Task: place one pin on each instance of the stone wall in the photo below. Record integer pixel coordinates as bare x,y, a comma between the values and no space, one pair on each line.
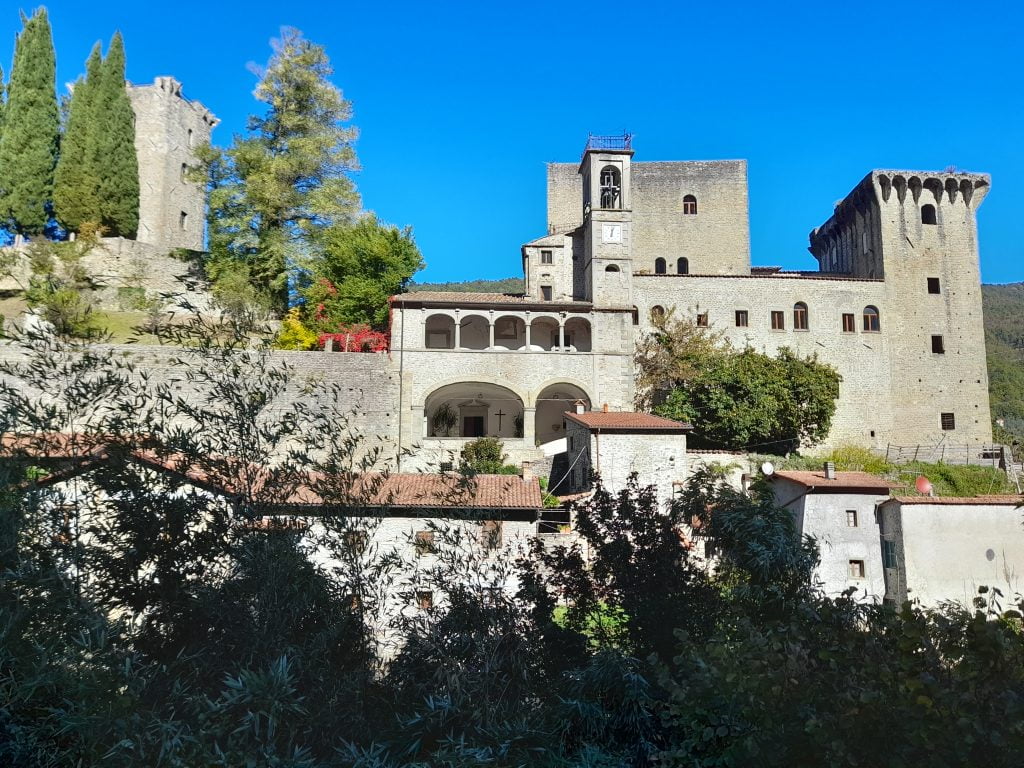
864,412
947,550
118,263
368,381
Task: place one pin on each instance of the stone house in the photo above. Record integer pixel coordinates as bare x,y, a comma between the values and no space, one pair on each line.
840,511
943,548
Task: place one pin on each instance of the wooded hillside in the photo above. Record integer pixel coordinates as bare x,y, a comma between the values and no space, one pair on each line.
1004,339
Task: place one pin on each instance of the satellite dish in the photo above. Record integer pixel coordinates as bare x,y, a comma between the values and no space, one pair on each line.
923,485
767,469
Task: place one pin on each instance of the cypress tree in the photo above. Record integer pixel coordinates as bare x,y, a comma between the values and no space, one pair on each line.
76,180
28,149
119,179
3,90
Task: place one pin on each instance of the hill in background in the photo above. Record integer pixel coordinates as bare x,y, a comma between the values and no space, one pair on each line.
1004,342
507,285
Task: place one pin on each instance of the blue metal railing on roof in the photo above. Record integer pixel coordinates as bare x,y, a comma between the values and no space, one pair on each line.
624,141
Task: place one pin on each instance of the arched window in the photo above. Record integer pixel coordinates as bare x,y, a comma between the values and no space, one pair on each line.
800,316
659,266
612,268
636,316
611,187
928,214
690,205
657,313
872,324
683,266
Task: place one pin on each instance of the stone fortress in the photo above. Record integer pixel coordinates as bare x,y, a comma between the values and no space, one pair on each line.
894,306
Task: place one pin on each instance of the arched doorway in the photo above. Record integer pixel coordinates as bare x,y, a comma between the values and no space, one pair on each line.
473,409
552,403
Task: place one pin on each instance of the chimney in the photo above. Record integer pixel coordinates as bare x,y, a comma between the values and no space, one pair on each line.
830,470
581,407
605,407
527,472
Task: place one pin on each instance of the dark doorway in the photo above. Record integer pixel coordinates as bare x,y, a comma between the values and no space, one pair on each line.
472,426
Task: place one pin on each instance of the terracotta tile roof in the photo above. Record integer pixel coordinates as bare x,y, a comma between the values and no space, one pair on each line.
1015,501
457,298
627,421
855,482
224,475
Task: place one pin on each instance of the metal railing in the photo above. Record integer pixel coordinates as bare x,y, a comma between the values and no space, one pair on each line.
625,141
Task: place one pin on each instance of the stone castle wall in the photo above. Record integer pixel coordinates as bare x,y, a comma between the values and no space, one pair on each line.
864,411
368,382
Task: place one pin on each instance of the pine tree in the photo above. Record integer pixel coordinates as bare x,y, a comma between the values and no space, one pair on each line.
76,180
28,149
278,189
119,180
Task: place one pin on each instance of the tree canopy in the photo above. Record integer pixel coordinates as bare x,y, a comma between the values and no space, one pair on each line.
282,185
77,178
736,399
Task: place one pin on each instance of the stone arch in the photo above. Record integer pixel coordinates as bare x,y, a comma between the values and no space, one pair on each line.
612,268
544,333
928,214
611,187
682,266
578,334
509,332
474,332
659,266
439,331
952,188
689,205
469,409
552,400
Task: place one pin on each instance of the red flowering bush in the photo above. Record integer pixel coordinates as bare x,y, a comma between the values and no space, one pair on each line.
355,338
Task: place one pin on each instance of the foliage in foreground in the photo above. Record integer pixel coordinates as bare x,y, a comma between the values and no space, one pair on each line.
177,633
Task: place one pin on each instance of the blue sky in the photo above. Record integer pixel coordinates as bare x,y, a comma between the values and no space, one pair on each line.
459,105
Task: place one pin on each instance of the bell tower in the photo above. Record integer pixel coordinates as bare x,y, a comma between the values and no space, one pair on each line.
607,262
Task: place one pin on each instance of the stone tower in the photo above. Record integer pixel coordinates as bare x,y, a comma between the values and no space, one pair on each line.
917,232
607,263
168,130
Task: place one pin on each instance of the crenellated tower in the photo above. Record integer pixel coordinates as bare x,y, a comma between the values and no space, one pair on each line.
917,232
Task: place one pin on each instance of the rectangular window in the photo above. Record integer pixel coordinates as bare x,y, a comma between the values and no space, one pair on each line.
851,518
933,285
947,421
490,534
702,320
424,543
742,319
778,321
546,257
424,599
849,323
937,346
889,554
856,569
545,292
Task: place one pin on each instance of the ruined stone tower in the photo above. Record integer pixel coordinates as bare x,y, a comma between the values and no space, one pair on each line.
168,130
